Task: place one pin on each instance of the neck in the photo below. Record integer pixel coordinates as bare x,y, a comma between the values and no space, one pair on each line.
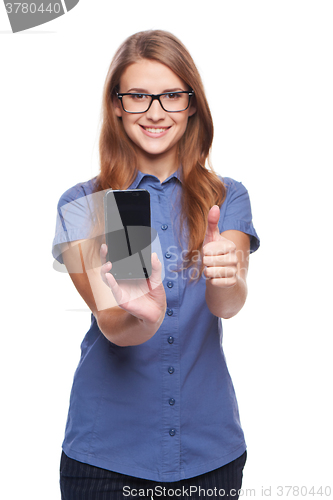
161,166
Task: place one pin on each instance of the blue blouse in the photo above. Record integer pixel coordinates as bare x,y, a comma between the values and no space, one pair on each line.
164,410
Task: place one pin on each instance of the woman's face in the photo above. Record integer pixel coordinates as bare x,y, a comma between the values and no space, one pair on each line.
155,132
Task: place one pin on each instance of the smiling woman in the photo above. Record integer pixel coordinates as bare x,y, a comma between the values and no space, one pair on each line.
202,188
152,400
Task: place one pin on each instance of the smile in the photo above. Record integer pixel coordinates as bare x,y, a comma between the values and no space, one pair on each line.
155,130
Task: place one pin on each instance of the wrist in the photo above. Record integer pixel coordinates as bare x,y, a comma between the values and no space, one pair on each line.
153,321
226,302
124,329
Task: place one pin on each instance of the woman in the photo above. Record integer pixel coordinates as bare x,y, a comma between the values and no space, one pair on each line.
153,409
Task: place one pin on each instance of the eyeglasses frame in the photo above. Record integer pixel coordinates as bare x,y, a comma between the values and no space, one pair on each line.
155,97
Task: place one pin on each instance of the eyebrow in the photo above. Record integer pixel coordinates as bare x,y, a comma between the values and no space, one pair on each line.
144,91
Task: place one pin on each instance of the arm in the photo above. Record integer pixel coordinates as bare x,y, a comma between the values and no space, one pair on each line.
128,316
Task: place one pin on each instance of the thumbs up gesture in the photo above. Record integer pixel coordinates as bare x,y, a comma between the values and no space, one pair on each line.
219,254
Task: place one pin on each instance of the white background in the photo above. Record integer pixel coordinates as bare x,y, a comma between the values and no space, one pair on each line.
267,70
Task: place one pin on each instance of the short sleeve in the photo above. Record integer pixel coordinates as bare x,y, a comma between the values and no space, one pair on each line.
236,212
75,217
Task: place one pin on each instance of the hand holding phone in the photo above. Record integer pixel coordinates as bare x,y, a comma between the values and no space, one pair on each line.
143,298
129,269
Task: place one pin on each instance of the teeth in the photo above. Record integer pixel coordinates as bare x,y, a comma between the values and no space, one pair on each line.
154,130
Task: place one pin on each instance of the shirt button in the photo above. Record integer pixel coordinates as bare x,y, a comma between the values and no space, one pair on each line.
171,401
171,370
169,312
172,432
164,226
168,255
169,284
170,340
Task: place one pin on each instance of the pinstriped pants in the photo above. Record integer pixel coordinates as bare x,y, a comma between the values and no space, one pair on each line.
79,481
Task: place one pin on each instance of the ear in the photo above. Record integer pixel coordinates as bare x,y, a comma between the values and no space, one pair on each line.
117,106
192,110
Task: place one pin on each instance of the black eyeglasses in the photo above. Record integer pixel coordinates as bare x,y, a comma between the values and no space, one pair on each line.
172,102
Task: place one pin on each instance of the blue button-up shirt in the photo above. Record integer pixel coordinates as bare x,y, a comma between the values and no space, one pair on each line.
164,410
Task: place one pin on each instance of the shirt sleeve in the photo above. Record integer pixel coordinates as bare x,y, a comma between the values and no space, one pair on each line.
236,212
75,217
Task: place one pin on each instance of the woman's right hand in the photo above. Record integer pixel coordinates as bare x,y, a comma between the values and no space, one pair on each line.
143,298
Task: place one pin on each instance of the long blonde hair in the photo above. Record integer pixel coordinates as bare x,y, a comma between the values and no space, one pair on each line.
202,188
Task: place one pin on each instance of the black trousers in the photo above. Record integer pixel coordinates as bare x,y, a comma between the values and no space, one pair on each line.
79,481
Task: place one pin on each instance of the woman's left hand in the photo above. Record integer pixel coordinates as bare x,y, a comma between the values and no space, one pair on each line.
219,254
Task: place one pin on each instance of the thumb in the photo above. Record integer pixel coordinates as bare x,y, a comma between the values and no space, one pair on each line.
156,274
212,232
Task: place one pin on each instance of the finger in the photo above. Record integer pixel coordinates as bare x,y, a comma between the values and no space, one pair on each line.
224,282
220,272
105,270
220,259
115,288
221,246
103,252
212,231
215,261
215,248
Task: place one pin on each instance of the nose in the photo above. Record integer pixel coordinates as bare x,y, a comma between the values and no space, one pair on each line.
155,112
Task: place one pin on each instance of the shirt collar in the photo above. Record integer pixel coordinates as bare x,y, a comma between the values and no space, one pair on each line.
140,175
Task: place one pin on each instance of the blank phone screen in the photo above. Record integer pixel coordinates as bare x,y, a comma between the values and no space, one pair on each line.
128,233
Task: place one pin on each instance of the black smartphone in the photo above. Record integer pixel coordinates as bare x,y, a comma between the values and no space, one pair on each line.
128,233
